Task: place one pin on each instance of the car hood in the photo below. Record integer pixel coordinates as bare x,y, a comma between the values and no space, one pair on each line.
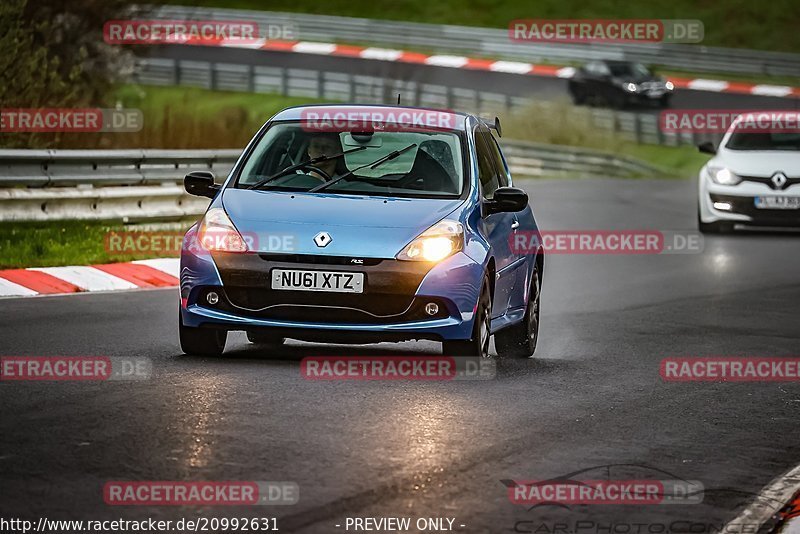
359,226
760,162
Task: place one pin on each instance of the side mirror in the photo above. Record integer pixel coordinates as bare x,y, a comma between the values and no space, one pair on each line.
507,200
201,184
707,148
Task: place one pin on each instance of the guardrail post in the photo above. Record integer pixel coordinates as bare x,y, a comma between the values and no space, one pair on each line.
251,78
320,85
637,128
351,82
284,82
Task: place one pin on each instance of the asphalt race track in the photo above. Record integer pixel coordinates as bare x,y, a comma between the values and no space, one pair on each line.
494,82
592,397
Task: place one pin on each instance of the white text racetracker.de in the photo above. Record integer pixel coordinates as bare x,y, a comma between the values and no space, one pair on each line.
400,524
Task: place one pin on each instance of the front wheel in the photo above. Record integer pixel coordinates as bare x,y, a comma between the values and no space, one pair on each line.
478,345
519,340
201,341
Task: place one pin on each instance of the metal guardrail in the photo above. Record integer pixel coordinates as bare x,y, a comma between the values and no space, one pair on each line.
127,185
44,168
491,42
363,89
138,185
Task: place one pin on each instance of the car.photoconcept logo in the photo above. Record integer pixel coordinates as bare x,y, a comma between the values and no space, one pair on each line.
322,239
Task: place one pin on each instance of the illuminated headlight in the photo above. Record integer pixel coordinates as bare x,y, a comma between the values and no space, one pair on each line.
441,240
722,176
631,87
217,233
669,85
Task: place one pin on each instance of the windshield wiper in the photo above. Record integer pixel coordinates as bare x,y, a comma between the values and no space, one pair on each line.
311,161
380,161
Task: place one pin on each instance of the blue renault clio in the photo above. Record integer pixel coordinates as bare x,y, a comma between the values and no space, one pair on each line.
364,224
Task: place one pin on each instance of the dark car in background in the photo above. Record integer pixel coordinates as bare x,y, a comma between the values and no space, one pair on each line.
618,84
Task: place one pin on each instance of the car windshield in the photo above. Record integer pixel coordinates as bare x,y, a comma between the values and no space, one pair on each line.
764,141
410,163
633,70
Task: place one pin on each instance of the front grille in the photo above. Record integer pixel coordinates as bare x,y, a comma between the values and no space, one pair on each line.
231,300
389,288
310,259
768,181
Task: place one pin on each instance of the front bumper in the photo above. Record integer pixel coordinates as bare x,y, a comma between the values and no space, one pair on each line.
741,198
391,307
648,97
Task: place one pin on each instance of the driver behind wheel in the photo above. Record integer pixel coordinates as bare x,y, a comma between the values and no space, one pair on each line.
325,144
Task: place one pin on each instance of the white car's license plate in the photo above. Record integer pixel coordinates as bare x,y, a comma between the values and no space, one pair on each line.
777,203
336,281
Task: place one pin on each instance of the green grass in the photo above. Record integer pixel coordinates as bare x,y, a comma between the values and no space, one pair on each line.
187,117
677,162
560,123
52,244
732,23
174,117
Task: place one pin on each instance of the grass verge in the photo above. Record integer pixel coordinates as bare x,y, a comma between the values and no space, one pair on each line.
57,243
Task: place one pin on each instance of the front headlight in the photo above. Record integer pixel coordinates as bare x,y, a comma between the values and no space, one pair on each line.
217,233
669,85
723,176
441,240
631,87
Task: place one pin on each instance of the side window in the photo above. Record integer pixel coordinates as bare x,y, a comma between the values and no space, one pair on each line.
497,158
486,172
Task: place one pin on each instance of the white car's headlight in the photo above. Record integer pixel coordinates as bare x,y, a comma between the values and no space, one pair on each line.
669,85
723,175
441,240
217,233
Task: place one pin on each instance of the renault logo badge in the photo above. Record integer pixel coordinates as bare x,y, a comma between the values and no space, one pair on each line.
322,239
779,180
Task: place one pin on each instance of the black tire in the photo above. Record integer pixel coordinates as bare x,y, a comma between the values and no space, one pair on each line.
577,97
201,341
716,227
264,338
478,345
519,340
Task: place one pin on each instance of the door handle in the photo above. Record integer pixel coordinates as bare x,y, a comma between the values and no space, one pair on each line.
515,225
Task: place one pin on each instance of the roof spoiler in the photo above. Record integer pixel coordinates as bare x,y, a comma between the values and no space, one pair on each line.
494,126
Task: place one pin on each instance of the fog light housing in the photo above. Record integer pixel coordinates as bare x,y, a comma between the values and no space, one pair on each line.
431,308
212,298
722,206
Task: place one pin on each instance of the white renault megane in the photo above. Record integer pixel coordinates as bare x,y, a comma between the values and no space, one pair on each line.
753,178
